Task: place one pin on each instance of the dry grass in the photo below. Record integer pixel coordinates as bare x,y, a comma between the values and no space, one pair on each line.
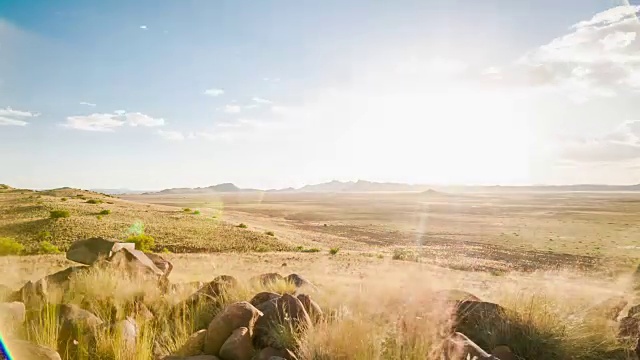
375,308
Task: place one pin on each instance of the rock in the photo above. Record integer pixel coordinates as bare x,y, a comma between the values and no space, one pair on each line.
127,331
268,279
217,286
460,347
475,317
32,294
13,313
161,263
634,310
194,344
259,298
240,314
269,353
300,282
88,251
609,309
638,348
238,346
63,277
503,352
75,325
286,310
629,326
453,295
312,308
135,263
21,349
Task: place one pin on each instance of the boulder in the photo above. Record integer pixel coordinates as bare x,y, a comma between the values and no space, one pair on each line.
269,353
460,347
312,308
286,310
300,282
213,289
238,346
240,314
629,326
63,277
634,310
609,309
259,298
32,294
481,320
161,263
88,251
454,295
21,349
12,313
135,263
503,352
194,344
267,279
75,325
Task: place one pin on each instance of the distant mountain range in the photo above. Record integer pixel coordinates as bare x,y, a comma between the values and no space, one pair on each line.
370,186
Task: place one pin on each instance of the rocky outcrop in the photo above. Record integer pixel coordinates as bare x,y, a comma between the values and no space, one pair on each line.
234,316
89,251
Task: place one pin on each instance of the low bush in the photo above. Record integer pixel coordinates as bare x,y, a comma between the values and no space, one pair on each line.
270,233
58,214
9,246
334,250
186,210
196,212
63,199
405,255
94,201
242,226
105,212
143,242
45,247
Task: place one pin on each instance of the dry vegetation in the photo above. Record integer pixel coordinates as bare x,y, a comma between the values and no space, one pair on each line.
26,215
548,258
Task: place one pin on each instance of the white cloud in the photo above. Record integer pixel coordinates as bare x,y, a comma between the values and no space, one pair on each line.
274,80
600,57
139,119
11,122
95,122
87,103
171,135
623,143
11,117
143,27
260,100
108,122
214,92
232,109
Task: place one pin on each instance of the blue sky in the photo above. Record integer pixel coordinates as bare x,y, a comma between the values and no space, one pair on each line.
168,93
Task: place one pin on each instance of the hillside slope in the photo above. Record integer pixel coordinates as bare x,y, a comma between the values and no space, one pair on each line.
24,216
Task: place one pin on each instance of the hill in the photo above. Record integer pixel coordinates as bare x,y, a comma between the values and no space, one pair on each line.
24,216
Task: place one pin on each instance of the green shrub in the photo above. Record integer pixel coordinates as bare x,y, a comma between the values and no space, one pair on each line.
105,212
143,242
45,247
57,214
186,210
43,235
99,217
242,226
270,233
9,246
334,250
63,199
196,212
94,201
311,250
166,251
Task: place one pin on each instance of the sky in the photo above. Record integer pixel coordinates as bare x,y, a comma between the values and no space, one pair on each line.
154,94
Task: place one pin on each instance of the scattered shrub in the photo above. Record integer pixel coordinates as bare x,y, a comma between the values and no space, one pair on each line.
105,212
405,255
334,250
63,199
57,214
143,242
270,233
94,201
43,235
186,210
99,217
166,251
196,212
311,250
45,247
242,226
9,246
